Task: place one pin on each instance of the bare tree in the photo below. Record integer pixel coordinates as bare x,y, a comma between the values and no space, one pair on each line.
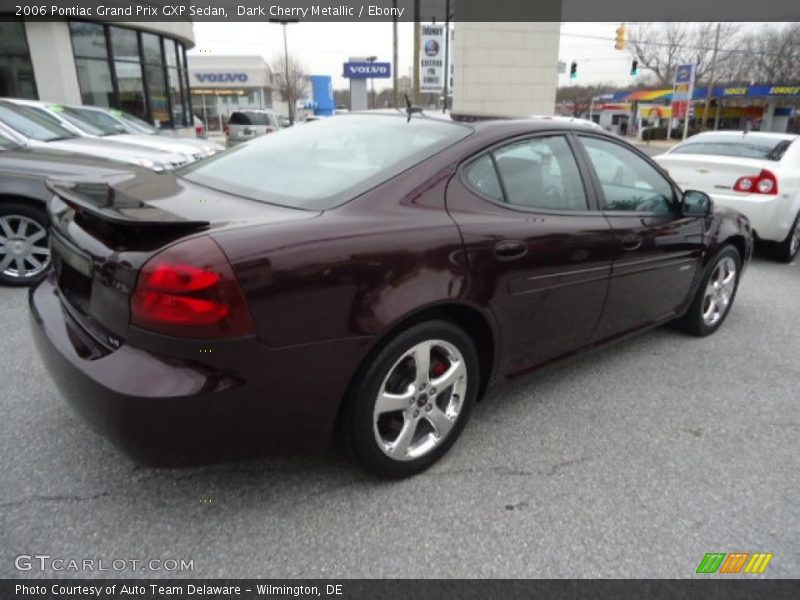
291,83
660,47
578,98
770,55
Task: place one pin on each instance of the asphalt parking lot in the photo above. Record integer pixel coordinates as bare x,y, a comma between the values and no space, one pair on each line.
633,462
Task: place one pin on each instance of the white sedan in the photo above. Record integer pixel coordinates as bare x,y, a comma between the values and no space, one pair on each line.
756,173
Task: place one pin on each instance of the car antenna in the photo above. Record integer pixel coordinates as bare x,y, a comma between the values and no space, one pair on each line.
410,109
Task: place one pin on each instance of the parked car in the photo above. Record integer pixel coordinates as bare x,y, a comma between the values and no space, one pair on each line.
241,303
756,173
127,126
244,125
575,120
24,249
199,127
37,129
91,125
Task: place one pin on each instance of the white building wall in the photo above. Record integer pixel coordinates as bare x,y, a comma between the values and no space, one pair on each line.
53,61
505,69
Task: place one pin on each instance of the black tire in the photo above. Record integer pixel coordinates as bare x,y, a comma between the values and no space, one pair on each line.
787,250
13,211
693,321
359,424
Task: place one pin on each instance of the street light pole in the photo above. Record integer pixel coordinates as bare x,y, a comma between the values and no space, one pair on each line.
289,99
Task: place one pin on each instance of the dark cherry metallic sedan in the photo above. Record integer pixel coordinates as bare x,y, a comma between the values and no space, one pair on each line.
370,275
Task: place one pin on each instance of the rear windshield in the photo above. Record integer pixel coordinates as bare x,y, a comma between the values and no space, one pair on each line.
746,146
250,118
32,123
86,122
322,165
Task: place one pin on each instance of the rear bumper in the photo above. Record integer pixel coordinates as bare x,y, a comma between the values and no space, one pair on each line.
175,411
771,217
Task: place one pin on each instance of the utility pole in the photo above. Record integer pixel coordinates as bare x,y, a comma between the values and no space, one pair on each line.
712,77
416,51
446,55
394,54
289,83
372,59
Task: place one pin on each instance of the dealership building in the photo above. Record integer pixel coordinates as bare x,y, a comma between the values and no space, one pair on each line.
222,84
136,67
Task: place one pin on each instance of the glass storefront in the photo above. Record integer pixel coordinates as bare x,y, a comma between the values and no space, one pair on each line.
16,71
136,71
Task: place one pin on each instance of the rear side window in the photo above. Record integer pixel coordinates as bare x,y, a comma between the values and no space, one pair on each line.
482,177
250,118
538,173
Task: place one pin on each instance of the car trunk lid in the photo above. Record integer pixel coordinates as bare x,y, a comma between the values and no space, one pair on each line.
104,230
708,173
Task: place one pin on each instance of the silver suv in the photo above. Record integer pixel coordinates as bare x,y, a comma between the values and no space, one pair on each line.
244,125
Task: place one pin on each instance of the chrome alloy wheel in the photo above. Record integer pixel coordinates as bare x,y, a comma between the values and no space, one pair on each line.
24,252
420,400
719,291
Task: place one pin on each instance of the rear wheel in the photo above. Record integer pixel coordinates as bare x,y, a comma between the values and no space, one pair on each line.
788,248
413,400
715,295
24,252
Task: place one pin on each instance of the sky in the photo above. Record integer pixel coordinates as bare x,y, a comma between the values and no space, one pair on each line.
323,47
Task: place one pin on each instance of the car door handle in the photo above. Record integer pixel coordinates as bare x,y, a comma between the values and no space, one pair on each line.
510,249
631,242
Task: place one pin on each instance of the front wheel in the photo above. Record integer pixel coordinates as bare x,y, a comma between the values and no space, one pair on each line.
715,295
788,248
413,400
24,252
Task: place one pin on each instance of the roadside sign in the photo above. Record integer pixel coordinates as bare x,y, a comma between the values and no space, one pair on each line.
367,70
431,59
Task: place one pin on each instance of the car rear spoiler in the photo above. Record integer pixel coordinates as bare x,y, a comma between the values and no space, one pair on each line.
102,201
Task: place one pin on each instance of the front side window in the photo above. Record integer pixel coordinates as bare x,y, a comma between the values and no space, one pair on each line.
541,173
629,182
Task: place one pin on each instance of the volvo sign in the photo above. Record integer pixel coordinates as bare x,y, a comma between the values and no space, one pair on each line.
221,77
367,70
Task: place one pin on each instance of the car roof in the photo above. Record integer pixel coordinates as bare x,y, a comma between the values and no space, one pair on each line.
744,134
481,123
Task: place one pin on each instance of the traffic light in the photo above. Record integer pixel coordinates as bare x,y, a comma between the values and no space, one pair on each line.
573,70
620,41
634,68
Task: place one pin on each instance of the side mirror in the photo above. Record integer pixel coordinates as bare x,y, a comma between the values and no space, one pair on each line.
696,204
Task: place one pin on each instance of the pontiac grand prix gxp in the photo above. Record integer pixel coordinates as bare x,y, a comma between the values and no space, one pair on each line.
368,276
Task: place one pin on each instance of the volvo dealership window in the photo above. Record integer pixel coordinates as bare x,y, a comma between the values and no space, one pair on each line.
16,71
139,72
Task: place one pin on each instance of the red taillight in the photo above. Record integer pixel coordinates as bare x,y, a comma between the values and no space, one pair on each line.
764,183
190,290
225,128
200,131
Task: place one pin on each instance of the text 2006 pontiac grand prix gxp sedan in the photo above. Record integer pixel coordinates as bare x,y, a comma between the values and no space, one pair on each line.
367,275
